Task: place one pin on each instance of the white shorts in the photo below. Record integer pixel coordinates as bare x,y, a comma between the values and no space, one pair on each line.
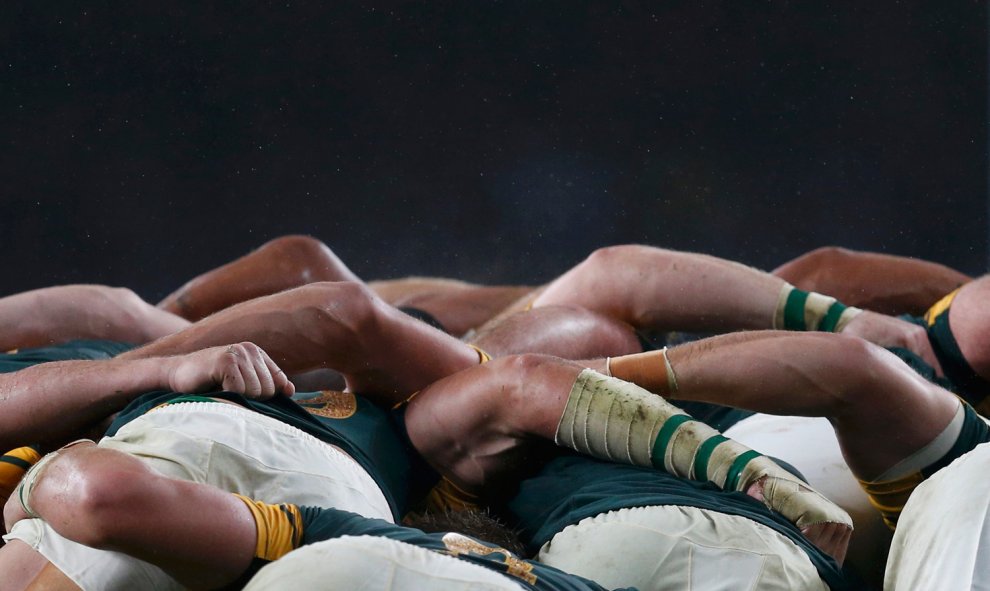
227,446
809,444
942,540
673,548
375,564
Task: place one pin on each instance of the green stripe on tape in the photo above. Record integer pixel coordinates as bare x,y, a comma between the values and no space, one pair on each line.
664,436
794,310
832,317
704,454
736,469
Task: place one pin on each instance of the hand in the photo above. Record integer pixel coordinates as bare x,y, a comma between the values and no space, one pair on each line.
243,368
888,331
830,529
830,538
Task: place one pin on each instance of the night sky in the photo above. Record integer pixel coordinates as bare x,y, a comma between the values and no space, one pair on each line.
489,141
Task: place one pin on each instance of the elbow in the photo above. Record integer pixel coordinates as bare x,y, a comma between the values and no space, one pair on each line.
344,307
862,376
308,258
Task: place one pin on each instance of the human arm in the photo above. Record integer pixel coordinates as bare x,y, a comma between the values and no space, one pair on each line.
662,289
277,265
482,427
51,315
337,325
659,289
53,402
458,306
883,283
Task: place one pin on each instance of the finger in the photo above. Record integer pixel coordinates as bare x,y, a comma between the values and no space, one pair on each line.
281,382
286,387
830,538
252,382
837,542
266,383
240,354
233,381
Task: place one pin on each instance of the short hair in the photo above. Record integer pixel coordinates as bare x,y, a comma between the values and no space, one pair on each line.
475,523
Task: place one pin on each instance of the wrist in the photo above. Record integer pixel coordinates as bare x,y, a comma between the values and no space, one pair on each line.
165,370
802,310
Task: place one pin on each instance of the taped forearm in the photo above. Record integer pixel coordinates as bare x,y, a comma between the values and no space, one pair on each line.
610,419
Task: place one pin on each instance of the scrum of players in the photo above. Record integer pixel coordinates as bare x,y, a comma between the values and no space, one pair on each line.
650,419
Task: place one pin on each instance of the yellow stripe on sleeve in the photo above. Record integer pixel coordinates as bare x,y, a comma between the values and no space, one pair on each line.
940,306
279,528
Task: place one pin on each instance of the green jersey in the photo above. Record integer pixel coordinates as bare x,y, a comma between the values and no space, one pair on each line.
571,488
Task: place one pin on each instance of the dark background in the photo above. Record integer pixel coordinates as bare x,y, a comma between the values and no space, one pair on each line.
491,141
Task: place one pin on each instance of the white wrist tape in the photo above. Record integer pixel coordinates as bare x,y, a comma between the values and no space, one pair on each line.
801,310
610,419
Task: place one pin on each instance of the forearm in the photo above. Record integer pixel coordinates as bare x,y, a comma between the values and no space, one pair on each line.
55,401
663,289
341,326
58,314
879,282
283,263
297,328
874,401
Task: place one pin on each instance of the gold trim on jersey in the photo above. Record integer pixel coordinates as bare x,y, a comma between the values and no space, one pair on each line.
889,497
940,306
483,357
